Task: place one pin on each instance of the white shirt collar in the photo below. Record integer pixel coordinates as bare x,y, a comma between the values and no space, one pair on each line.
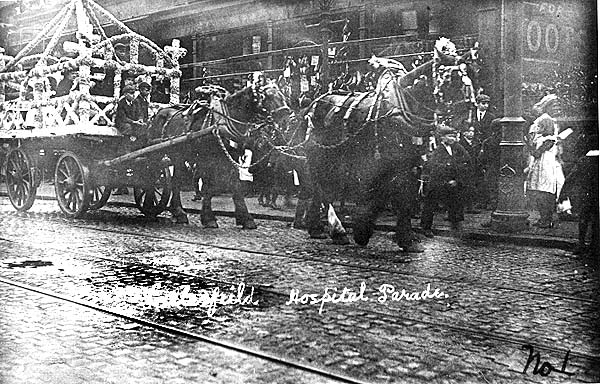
448,148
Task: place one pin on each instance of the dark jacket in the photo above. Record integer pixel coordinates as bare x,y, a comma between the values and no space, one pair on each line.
143,106
127,113
490,134
443,168
474,151
483,128
582,183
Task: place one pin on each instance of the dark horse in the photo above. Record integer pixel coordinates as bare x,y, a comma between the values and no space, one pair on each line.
372,143
226,124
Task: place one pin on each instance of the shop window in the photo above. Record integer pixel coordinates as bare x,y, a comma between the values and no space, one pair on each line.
409,21
434,23
252,44
256,44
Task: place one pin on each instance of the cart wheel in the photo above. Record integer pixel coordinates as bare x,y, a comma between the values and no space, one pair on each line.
71,183
100,195
152,201
20,179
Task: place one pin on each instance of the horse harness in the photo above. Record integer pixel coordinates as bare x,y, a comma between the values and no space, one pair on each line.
373,117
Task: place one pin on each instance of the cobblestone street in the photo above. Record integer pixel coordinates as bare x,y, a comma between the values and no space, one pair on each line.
117,298
299,192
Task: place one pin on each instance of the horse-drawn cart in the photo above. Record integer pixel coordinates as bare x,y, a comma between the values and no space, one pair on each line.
75,164
71,140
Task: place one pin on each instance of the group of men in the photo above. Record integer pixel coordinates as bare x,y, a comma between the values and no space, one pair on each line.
463,172
131,116
132,113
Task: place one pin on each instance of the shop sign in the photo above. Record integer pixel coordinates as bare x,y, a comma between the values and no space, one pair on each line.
553,31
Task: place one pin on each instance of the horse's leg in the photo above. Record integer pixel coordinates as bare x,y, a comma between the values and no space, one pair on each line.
207,216
315,227
304,192
300,214
364,223
176,208
242,216
273,190
372,204
405,236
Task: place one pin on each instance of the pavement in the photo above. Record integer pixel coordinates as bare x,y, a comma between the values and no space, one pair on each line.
562,235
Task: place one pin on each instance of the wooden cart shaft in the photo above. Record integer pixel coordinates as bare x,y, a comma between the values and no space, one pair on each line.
156,147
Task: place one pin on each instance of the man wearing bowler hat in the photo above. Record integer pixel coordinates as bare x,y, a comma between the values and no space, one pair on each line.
446,166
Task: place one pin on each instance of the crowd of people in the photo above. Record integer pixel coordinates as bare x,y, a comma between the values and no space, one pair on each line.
463,169
463,172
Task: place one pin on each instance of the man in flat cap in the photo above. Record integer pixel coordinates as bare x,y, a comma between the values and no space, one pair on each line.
489,134
143,99
128,117
129,122
446,167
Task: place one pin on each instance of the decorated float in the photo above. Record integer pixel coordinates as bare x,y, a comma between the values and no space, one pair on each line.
64,131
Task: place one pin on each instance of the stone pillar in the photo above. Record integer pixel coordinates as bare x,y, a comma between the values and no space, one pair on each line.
511,215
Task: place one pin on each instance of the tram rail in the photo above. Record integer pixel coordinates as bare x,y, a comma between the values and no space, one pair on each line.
187,334
473,331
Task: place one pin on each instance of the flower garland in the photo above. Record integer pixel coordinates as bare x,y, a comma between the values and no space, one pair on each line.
126,29
84,62
33,43
134,50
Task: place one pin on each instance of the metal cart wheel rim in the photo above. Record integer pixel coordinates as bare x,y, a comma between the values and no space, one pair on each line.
20,179
100,196
71,183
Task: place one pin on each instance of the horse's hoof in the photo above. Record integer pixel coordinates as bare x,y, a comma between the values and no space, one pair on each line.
181,220
413,247
210,224
249,225
362,235
340,240
318,235
299,225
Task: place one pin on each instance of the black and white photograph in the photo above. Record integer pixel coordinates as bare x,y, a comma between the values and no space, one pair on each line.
300,192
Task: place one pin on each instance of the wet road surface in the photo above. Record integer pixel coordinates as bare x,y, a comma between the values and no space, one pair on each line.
491,300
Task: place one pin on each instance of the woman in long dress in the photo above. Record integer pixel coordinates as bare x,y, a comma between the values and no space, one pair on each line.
545,176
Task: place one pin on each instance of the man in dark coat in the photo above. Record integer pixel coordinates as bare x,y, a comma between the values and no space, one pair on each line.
128,118
475,188
489,134
129,122
446,166
143,100
584,179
